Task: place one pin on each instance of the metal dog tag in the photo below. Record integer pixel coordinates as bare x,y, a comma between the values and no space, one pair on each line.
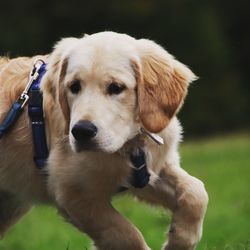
156,138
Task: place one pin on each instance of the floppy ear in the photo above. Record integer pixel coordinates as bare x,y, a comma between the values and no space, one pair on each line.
162,85
56,71
61,95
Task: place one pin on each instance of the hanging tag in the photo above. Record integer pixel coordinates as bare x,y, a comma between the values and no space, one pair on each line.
156,138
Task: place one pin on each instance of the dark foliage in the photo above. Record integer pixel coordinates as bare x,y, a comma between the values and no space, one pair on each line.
211,36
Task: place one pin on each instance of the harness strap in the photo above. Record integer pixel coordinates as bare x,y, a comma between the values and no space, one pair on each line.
141,175
36,115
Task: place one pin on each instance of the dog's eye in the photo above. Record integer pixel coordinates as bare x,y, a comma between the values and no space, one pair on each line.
75,87
115,88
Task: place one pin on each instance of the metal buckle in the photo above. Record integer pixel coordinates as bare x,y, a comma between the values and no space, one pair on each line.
23,99
32,77
138,168
156,138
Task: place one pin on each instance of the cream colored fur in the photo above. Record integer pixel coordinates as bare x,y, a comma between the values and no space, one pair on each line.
81,184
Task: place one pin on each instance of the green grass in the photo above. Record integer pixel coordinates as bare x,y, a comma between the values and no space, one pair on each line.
223,164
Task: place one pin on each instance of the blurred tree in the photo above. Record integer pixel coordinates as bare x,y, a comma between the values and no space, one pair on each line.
210,36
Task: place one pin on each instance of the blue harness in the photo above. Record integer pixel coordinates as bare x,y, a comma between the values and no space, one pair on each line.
36,115
34,97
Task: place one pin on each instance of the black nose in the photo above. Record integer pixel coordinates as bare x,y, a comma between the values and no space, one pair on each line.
84,131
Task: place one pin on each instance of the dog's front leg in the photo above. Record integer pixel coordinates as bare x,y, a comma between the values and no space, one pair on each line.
96,217
186,197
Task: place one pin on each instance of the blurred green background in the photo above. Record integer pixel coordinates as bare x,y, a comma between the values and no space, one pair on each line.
213,38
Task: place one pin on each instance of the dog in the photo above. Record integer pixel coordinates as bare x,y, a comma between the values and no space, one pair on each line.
99,92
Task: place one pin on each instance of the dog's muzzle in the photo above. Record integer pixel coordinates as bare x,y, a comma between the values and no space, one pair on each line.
84,132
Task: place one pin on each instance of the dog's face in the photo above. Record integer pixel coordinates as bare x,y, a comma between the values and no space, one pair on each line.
100,88
109,85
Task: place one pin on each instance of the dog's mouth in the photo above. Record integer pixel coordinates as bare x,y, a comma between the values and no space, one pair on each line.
106,146
86,146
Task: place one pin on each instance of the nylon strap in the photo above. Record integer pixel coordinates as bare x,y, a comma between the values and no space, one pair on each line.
141,176
36,115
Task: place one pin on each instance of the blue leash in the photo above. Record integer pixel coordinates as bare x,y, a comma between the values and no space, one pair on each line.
34,96
17,107
11,117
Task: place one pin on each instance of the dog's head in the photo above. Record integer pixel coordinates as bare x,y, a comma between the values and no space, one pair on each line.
109,85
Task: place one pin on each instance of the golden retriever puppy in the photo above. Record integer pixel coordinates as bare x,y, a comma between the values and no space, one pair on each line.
99,91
